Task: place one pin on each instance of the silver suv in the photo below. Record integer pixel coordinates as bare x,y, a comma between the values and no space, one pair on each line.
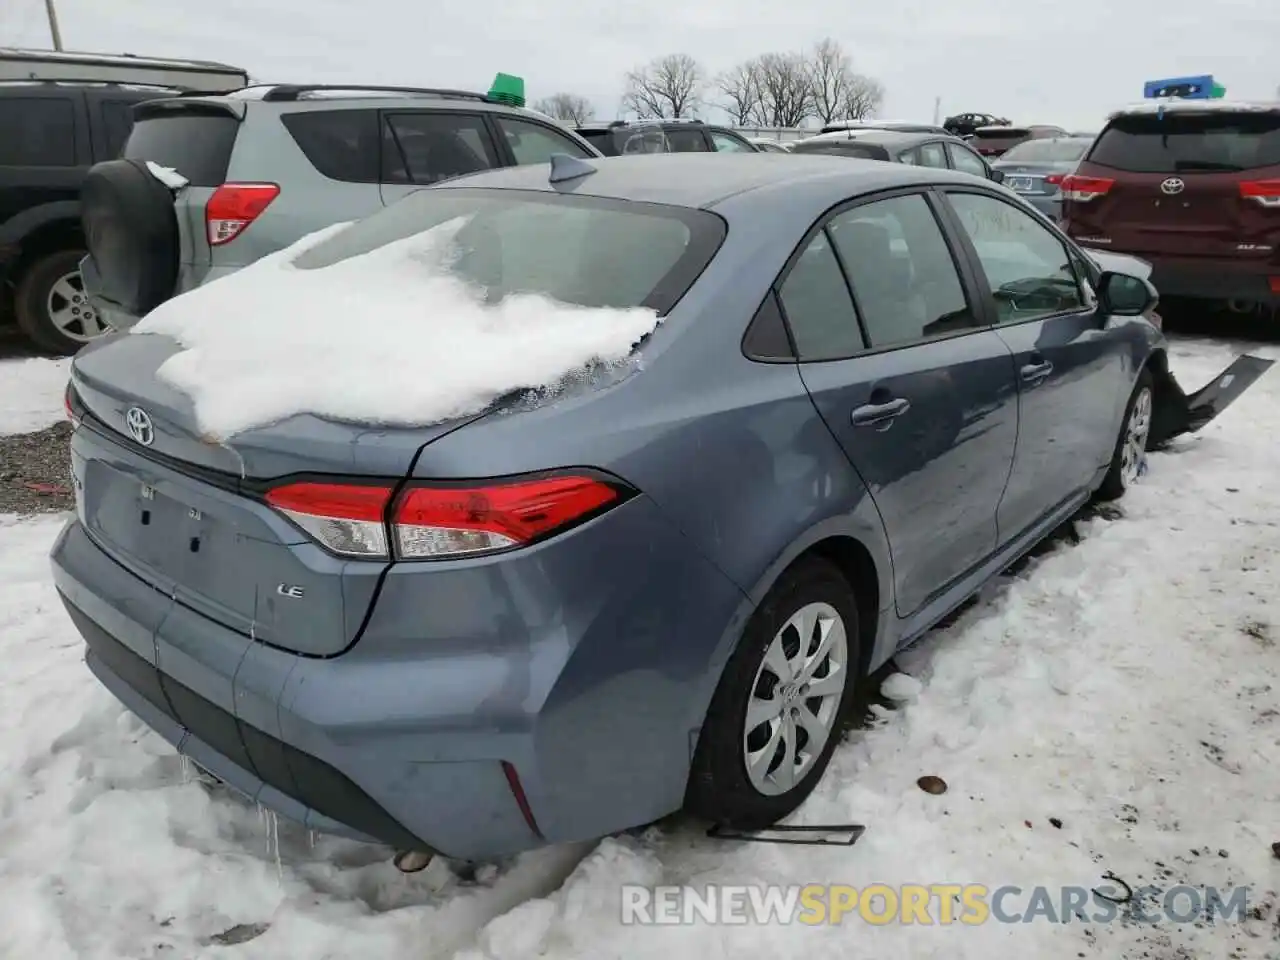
209,184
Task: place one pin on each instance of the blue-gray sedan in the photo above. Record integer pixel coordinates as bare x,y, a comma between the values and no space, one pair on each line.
875,386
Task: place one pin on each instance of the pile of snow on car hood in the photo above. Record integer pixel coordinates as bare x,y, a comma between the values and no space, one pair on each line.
387,338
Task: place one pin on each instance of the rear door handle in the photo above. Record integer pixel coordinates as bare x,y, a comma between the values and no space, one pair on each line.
879,413
1035,372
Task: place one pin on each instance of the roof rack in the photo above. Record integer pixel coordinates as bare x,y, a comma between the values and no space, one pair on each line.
117,84
70,67
292,91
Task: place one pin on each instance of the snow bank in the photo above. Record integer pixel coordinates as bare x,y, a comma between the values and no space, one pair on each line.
31,393
388,338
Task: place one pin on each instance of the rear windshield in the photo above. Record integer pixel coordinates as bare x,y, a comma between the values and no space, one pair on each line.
1180,142
842,148
1048,151
197,145
1003,133
591,251
602,140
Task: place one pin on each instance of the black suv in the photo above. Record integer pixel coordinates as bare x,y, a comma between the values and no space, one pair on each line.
623,137
60,113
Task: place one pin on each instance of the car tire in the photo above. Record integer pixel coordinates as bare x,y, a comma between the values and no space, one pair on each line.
41,290
1128,459
721,786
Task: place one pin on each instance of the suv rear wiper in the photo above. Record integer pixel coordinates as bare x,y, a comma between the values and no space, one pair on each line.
1181,165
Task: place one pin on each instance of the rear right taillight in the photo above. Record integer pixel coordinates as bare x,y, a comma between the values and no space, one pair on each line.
233,207
432,522
1055,178
71,404
445,520
1264,192
1083,189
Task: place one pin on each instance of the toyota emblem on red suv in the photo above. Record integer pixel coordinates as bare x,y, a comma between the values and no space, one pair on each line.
1172,186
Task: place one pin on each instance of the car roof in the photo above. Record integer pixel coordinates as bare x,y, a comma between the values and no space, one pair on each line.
706,179
1146,107
357,96
888,138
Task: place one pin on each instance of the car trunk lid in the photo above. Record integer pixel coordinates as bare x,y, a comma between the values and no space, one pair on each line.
187,513
1186,184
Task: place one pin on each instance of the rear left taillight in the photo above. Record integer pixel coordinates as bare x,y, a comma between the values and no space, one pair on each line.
442,521
1264,192
233,207
1083,189
71,404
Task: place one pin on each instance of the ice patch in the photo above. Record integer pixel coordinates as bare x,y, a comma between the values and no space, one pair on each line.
901,687
387,338
167,175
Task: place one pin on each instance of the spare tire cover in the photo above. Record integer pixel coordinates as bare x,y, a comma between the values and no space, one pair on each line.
131,231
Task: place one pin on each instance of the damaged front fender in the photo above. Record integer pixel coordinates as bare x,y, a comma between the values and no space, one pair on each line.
1176,413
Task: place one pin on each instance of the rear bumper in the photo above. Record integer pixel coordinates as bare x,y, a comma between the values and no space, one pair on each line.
1210,279
590,693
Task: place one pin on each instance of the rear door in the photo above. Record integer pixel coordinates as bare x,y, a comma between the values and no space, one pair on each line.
44,151
195,138
966,161
422,147
919,395
687,138
1071,367
933,155
1188,183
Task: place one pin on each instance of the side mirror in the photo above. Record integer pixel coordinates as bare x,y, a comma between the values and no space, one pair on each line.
1123,295
997,176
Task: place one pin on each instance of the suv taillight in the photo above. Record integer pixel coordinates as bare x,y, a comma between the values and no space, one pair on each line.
1265,192
233,207
438,522
1083,189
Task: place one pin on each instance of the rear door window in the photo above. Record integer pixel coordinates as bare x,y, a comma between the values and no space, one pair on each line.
903,276
196,144
534,142
341,144
37,132
430,147
687,140
818,307
1181,142
117,121
727,143
933,155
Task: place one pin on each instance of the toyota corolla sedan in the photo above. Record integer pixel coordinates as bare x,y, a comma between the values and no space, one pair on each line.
873,387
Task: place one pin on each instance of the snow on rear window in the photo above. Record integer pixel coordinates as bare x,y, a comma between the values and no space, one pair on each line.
390,337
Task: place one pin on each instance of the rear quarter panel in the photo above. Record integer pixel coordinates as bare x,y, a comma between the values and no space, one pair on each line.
732,451
308,201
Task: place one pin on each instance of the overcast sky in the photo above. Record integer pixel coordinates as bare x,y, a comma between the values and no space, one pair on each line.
1046,61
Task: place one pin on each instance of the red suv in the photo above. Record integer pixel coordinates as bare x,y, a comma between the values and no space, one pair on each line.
1194,188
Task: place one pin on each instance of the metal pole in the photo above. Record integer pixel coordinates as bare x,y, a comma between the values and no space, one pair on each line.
53,25
937,105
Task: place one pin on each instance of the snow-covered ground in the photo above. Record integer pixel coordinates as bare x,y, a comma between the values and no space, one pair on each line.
1126,686
31,392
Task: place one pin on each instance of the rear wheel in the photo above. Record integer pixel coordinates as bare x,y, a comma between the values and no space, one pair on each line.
779,710
1129,460
51,306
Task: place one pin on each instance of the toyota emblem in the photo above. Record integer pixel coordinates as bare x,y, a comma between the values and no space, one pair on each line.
1172,186
140,426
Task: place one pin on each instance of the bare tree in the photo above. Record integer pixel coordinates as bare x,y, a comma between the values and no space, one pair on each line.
862,98
786,98
838,92
669,86
741,89
568,108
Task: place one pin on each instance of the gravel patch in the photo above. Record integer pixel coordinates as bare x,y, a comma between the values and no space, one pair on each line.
35,471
